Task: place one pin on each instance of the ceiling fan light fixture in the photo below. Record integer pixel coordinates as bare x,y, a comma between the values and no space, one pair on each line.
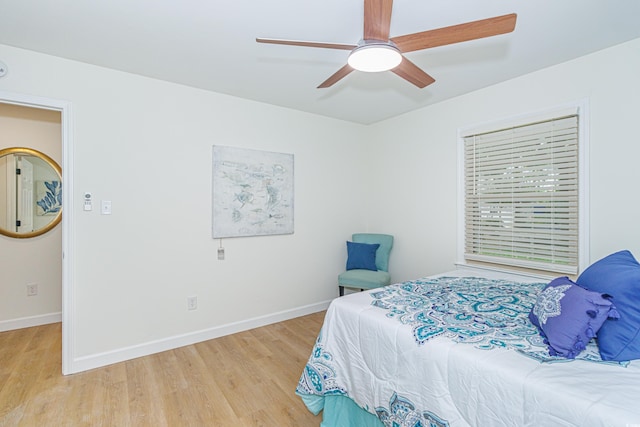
374,57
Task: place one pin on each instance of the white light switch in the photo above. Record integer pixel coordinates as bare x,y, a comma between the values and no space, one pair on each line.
105,207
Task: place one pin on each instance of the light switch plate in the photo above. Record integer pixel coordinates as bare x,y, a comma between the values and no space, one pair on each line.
105,207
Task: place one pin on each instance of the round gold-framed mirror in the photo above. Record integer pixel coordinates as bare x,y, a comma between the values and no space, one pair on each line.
30,192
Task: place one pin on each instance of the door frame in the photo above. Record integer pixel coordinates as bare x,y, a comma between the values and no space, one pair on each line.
68,301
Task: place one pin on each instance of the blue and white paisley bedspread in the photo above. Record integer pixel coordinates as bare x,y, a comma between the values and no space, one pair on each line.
488,313
460,351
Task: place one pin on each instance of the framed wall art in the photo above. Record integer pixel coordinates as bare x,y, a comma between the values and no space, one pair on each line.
252,192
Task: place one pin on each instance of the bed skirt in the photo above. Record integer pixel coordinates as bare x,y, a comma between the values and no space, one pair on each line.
339,411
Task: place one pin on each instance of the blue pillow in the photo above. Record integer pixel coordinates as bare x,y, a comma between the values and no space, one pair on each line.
361,256
569,316
619,276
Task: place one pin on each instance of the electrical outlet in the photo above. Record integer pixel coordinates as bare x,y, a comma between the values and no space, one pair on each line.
32,289
192,303
221,254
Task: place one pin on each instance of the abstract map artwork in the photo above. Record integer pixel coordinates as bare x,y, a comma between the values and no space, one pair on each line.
252,192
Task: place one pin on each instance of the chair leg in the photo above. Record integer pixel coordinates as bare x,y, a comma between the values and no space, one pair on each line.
341,290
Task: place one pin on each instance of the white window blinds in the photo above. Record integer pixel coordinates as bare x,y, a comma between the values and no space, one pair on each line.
521,195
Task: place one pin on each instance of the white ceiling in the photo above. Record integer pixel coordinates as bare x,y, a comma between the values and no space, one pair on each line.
210,44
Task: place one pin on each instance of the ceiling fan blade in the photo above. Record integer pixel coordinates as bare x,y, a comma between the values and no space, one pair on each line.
338,75
377,19
456,33
308,44
413,74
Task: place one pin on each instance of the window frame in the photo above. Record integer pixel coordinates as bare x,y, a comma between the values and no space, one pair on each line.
581,108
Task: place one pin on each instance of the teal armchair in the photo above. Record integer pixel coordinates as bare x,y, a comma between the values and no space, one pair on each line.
368,278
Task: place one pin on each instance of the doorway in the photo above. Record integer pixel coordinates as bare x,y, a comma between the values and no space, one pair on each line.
67,308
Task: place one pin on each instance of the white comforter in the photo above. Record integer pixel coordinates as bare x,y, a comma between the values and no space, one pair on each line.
363,352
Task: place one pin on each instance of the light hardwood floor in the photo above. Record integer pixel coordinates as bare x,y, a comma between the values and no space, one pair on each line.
245,379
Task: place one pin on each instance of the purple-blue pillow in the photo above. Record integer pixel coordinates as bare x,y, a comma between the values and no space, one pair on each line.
569,316
361,256
617,275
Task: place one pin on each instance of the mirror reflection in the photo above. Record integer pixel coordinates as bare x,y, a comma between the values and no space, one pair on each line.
30,192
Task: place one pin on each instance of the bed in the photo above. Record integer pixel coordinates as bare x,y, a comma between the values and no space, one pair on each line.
458,349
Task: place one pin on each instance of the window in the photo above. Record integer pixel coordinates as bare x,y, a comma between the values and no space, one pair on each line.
522,194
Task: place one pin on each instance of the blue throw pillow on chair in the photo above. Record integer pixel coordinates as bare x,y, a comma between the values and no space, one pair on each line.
361,256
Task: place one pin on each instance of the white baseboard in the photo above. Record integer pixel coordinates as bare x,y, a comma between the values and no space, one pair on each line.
107,358
27,322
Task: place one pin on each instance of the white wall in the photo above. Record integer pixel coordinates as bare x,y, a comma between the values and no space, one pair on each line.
39,259
418,150
146,145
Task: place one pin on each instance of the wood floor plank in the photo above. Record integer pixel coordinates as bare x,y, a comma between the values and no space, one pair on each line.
14,343
246,379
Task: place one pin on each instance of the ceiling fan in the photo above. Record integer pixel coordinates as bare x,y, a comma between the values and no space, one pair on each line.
379,47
